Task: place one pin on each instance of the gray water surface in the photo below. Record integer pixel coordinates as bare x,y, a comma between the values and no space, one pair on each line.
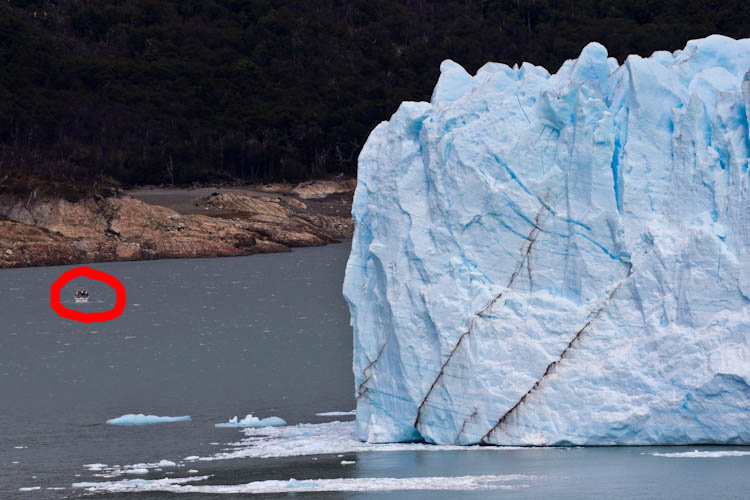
209,338
267,334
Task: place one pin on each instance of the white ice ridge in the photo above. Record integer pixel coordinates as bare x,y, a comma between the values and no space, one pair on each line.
251,421
367,484
704,454
559,259
141,419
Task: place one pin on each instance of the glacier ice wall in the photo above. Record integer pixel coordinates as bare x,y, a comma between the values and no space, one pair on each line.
559,259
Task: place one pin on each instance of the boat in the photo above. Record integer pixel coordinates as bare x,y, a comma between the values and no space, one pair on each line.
81,295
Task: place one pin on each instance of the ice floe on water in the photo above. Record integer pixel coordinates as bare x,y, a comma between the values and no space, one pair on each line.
141,419
337,413
330,438
137,471
317,439
251,421
95,467
365,484
136,484
704,454
287,441
110,471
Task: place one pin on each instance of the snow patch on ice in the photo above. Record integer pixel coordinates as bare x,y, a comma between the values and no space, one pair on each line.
141,419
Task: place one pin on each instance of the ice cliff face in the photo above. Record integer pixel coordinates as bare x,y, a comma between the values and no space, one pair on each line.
553,259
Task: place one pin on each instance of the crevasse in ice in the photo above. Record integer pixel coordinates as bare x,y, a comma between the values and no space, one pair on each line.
559,259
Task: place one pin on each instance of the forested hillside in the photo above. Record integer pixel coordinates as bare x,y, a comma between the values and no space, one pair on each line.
178,91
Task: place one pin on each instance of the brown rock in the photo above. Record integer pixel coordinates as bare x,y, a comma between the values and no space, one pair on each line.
47,232
321,189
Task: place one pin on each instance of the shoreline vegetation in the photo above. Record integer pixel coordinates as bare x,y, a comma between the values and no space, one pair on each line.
158,223
168,91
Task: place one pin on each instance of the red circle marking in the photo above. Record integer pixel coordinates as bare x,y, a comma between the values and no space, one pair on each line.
81,316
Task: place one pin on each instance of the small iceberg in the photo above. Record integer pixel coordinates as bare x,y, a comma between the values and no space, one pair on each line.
141,419
251,421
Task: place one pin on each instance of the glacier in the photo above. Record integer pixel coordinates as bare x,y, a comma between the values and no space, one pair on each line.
559,259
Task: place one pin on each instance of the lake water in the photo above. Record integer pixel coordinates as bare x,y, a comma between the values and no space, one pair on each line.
268,335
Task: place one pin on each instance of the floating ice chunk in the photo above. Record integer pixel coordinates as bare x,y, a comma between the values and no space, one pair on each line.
104,470
251,421
336,413
95,467
136,484
704,454
141,419
365,484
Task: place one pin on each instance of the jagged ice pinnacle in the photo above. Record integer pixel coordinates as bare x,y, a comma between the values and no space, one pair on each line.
559,259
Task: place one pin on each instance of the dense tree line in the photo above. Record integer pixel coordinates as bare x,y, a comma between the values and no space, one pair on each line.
177,91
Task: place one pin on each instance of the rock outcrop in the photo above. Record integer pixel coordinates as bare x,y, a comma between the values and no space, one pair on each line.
49,232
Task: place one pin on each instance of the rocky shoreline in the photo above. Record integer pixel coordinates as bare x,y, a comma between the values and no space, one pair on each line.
188,223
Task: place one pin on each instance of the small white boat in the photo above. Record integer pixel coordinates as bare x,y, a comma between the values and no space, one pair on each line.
81,295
